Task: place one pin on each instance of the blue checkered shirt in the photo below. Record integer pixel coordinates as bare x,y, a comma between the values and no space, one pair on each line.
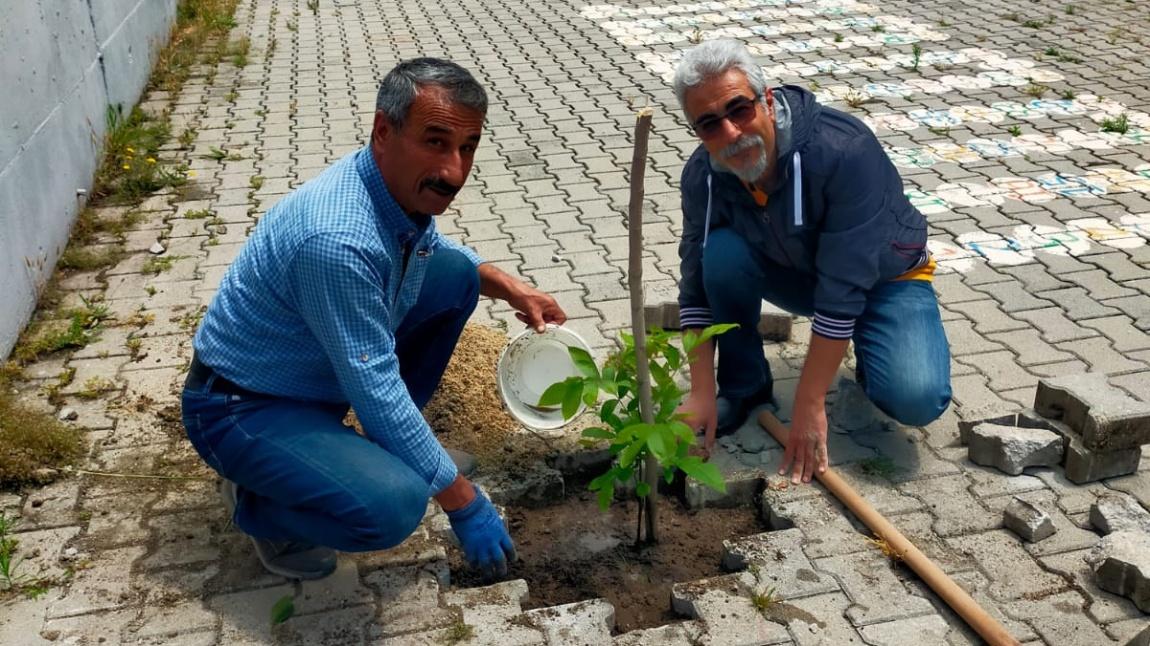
310,307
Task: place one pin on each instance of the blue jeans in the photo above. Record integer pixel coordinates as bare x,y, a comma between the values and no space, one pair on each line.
304,476
900,345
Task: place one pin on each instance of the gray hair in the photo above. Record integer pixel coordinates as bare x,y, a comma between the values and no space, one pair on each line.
710,59
398,90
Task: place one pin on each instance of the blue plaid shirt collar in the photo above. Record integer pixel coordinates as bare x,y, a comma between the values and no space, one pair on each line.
392,219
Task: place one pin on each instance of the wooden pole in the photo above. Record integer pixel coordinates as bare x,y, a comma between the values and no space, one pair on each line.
955,597
638,318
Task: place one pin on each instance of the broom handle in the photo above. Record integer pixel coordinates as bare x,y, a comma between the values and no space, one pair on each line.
954,596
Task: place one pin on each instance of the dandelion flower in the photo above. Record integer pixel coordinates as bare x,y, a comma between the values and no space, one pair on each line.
130,150
127,167
151,160
191,173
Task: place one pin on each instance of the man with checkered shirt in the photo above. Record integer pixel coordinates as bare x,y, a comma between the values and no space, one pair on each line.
346,294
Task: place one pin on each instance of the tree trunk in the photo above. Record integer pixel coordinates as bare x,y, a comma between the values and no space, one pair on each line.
638,319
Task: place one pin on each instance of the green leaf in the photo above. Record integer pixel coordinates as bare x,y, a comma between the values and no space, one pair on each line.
669,475
660,374
628,455
674,358
571,397
583,361
602,480
642,489
704,472
597,433
553,396
590,392
606,495
607,414
657,442
283,610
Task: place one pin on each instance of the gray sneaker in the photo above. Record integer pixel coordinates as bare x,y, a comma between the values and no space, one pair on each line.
289,559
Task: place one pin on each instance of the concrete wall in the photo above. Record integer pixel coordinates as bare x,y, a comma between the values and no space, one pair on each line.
62,62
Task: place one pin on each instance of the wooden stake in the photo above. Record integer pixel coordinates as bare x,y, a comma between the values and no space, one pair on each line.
943,585
638,319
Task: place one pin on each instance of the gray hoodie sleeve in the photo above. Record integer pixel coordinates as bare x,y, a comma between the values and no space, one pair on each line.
852,236
694,310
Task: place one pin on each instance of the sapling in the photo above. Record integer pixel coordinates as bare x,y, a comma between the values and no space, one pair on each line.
666,438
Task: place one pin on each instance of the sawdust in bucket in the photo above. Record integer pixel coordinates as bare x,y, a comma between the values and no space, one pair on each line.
466,411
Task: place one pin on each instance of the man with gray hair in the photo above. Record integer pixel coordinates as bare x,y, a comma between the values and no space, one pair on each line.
796,203
345,294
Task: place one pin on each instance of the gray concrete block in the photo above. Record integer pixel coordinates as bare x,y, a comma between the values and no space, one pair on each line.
1121,562
1105,416
1083,465
852,410
574,624
1011,449
1117,512
776,560
663,310
1141,639
1028,521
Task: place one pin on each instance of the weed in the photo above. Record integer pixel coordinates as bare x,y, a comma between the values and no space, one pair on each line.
1036,90
855,98
878,29
140,320
239,51
89,258
838,38
1068,95
814,86
96,386
1070,10
130,169
158,265
886,548
696,36
33,444
880,466
199,214
283,609
256,182
943,23
314,6
1034,24
214,153
150,290
80,328
9,561
187,138
763,602
292,26
1015,130
458,632
916,50
231,96
271,48
134,345
199,23
191,320
1119,124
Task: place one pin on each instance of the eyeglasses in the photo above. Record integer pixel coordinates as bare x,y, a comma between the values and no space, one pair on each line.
739,112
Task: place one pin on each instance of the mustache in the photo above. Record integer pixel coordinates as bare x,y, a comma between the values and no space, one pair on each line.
438,185
741,144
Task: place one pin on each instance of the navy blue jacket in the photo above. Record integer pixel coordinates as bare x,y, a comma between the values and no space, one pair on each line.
836,211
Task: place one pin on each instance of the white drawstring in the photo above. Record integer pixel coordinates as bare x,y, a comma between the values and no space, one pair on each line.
798,199
707,223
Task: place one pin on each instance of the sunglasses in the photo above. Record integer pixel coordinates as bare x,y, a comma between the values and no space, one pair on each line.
740,112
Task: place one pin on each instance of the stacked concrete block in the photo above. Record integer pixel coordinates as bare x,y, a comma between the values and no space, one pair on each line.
774,324
1104,427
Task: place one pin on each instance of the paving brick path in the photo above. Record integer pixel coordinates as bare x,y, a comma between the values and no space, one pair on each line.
1042,223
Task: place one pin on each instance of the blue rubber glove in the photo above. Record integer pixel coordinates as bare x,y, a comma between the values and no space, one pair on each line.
481,532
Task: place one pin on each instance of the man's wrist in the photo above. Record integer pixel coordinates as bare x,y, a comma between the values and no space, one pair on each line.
456,495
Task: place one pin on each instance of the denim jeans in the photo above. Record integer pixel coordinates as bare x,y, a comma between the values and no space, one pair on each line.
304,476
900,345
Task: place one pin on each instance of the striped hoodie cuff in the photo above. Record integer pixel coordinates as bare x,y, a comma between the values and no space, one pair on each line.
695,317
833,327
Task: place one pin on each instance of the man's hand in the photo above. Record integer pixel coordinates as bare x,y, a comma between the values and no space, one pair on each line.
700,412
537,309
484,538
807,443
533,307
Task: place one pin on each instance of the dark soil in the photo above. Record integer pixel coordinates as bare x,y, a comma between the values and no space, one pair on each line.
572,552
